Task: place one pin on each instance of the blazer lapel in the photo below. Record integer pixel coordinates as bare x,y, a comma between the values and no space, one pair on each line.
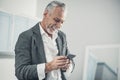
62,45
39,42
59,45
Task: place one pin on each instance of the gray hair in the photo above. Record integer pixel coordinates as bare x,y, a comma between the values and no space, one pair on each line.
54,4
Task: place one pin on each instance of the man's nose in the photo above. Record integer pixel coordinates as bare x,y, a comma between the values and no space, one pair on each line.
58,24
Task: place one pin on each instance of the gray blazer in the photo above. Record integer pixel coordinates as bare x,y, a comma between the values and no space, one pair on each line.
29,51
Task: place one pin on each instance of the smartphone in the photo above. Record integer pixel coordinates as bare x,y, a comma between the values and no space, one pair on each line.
70,56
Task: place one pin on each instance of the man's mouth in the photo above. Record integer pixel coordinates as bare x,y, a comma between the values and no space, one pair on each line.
52,29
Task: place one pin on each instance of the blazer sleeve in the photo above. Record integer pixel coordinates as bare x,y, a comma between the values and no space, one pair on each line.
67,53
24,70
65,50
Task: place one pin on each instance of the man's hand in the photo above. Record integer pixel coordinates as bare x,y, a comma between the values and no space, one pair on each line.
59,62
66,66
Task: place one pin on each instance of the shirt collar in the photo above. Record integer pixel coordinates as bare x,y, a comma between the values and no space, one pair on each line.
55,35
41,30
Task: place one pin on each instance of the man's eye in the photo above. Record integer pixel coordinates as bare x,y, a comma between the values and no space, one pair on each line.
57,20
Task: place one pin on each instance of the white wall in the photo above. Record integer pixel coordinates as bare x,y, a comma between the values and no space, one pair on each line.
91,23
7,70
19,7
88,23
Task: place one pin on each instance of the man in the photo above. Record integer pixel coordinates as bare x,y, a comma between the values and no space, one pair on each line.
40,52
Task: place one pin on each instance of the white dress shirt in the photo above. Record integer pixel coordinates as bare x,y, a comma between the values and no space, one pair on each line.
51,51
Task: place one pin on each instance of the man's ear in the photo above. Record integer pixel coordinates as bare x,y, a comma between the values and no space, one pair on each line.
45,13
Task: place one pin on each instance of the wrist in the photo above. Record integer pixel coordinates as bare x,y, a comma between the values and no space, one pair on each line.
48,67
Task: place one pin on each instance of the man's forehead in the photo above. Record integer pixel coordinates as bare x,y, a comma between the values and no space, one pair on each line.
58,10
59,13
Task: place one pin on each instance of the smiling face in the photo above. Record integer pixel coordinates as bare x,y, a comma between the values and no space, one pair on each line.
53,20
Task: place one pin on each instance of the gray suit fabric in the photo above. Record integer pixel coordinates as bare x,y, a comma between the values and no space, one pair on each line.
29,51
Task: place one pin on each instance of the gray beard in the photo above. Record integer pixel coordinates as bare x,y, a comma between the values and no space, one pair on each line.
51,29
